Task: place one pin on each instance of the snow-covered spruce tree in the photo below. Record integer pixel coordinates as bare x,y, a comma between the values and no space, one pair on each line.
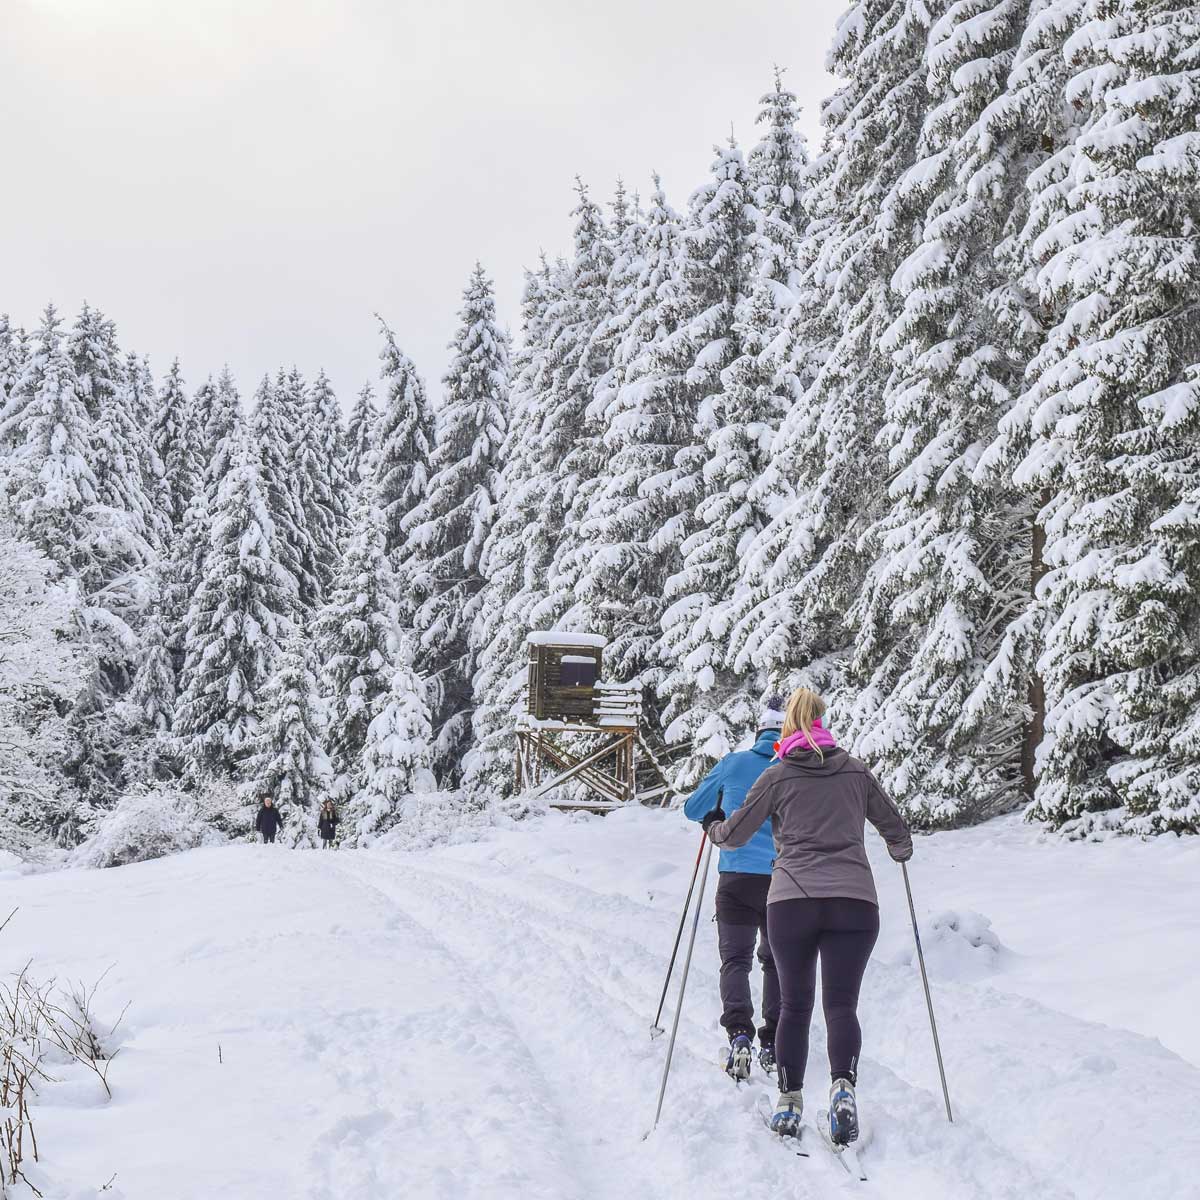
42,667
707,700
142,406
1032,111
777,168
773,370
287,760
123,522
403,437
396,760
951,552
292,397
52,490
758,381
153,690
325,486
177,443
145,714
577,564
826,481
456,516
12,363
119,440
182,572
514,558
144,396
211,428
355,637
272,430
572,452
219,418
123,517
242,610
636,520
1105,433
317,507
49,480
95,357
360,437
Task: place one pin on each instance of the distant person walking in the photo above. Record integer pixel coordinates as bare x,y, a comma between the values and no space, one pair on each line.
744,880
822,904
269,820
327,824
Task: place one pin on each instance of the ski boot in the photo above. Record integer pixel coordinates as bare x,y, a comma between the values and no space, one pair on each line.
843,1113
741,1054
789,1108
766,1058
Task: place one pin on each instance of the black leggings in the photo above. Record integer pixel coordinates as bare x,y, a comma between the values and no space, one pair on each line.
842,932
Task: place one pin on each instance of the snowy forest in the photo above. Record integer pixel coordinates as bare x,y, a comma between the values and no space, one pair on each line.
912,417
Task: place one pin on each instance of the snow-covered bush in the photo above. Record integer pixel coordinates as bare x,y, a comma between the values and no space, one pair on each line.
148,823
224,806
428,819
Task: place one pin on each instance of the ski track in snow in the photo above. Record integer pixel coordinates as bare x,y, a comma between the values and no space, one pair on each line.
446,1026
563,974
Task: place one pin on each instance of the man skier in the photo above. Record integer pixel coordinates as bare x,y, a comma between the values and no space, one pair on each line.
269,820
745,878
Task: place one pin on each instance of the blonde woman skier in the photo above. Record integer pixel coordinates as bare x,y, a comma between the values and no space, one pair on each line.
822,903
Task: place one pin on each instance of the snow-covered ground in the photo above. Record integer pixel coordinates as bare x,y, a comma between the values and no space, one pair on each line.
473,1022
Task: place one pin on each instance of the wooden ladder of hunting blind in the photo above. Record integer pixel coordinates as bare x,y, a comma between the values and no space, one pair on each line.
580,731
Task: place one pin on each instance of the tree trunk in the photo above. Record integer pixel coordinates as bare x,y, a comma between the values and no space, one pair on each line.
1035,727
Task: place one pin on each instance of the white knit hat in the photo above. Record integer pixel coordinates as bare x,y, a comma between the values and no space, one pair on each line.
771,716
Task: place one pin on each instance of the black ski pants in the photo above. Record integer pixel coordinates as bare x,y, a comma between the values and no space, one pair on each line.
741,923
842,934
268,837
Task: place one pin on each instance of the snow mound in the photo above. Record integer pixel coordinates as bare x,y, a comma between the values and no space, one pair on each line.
961,944
10,864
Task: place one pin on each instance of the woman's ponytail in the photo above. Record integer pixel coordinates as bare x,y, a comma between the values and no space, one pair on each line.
804,708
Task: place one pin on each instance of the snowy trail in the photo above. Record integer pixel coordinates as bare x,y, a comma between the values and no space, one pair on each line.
474,1022
431,1060
561,971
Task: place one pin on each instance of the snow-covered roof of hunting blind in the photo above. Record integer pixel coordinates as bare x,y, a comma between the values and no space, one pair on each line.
556,637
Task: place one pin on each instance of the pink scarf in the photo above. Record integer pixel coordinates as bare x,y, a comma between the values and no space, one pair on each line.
821,739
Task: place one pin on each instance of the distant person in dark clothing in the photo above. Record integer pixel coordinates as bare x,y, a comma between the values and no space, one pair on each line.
327,824
269,820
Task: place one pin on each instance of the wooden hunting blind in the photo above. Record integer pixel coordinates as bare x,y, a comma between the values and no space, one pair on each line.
562,676
579,730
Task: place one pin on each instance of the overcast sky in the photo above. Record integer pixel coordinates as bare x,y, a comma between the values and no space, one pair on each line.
248,181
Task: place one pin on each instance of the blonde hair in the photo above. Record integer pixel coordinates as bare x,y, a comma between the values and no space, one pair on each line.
804,707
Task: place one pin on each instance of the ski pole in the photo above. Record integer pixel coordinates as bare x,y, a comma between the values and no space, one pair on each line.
655,1028
928,998
687,962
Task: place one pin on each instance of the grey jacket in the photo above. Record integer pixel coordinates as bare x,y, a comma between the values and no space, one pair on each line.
817,810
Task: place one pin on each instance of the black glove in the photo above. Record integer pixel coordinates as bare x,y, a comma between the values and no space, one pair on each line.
717,814
903,854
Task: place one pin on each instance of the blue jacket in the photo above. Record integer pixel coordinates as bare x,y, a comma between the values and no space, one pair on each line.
736,774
